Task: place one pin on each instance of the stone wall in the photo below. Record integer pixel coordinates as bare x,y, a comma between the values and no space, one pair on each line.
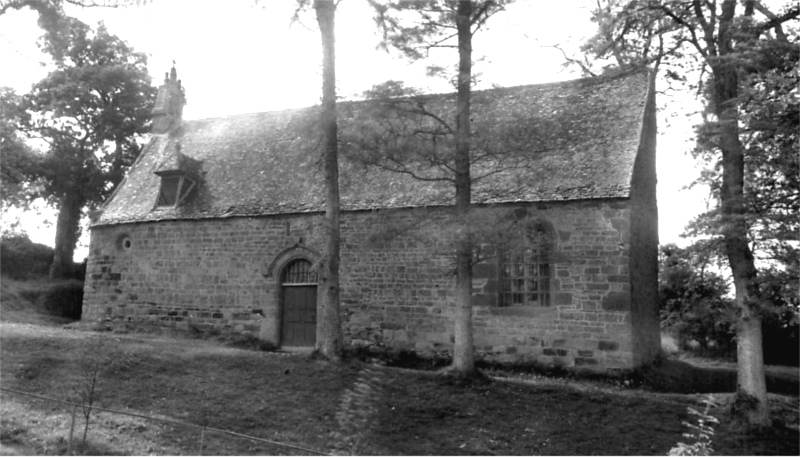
644,241
396,280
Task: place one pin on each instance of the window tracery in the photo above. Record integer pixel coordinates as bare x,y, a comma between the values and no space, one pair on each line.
525,272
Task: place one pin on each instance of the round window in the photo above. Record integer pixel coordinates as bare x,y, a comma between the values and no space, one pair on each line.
124,243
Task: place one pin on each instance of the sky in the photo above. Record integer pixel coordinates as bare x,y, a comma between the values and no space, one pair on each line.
248,57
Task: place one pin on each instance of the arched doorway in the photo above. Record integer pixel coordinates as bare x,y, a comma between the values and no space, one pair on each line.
299,303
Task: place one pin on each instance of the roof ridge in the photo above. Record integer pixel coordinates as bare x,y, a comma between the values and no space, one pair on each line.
252,113
593,79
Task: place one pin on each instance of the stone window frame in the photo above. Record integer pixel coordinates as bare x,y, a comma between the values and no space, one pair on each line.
297,250
524,275
124,243
550,246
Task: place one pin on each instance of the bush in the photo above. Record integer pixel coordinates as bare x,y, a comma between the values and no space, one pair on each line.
65,299
20,258
781,324
704,326
781,339
694,306
696,310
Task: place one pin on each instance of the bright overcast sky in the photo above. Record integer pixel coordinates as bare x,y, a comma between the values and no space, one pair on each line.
246,57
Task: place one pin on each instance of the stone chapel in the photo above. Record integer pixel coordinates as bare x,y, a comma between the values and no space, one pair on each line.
219,223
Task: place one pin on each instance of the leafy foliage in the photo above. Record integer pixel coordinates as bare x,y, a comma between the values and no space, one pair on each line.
416,27
721,45
89,111
99,92
781,324
20,258
693,298
770,115
696,43
18,161
696,307
52,18
700,432
630,35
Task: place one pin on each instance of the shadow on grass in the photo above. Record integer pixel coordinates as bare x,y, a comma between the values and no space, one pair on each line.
667,376
675,376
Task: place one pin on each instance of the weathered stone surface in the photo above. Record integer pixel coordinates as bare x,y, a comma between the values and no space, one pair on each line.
395,290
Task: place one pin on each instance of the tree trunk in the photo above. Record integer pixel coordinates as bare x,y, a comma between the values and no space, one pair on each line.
751,390
329,329
463,350
67,225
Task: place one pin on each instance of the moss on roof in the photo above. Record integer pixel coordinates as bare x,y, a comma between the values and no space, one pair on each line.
580,139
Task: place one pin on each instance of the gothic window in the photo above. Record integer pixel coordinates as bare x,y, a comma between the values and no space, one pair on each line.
525,272
174,189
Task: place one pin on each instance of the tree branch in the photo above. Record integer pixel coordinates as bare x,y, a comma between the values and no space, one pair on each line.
775,21
585,68
695,41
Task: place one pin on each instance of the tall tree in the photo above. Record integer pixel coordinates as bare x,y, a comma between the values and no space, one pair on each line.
89,110
769,116
329,327
415,28
718,39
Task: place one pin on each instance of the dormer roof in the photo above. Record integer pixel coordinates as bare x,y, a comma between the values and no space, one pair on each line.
175,162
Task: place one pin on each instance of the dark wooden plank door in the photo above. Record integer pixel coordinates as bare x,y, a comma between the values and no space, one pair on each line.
299,316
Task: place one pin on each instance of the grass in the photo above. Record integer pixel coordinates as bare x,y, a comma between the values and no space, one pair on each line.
354,407
295,399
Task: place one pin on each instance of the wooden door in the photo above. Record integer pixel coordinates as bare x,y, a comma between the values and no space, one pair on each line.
299,322
299,315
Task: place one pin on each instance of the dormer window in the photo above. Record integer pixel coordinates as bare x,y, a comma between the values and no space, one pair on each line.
178,175
175,187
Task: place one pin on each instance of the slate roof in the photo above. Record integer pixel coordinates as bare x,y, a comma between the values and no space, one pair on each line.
586,136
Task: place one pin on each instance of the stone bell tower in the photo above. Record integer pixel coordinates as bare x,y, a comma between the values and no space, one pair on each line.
169,103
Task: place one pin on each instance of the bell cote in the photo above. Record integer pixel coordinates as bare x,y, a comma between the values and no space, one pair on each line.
169,104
